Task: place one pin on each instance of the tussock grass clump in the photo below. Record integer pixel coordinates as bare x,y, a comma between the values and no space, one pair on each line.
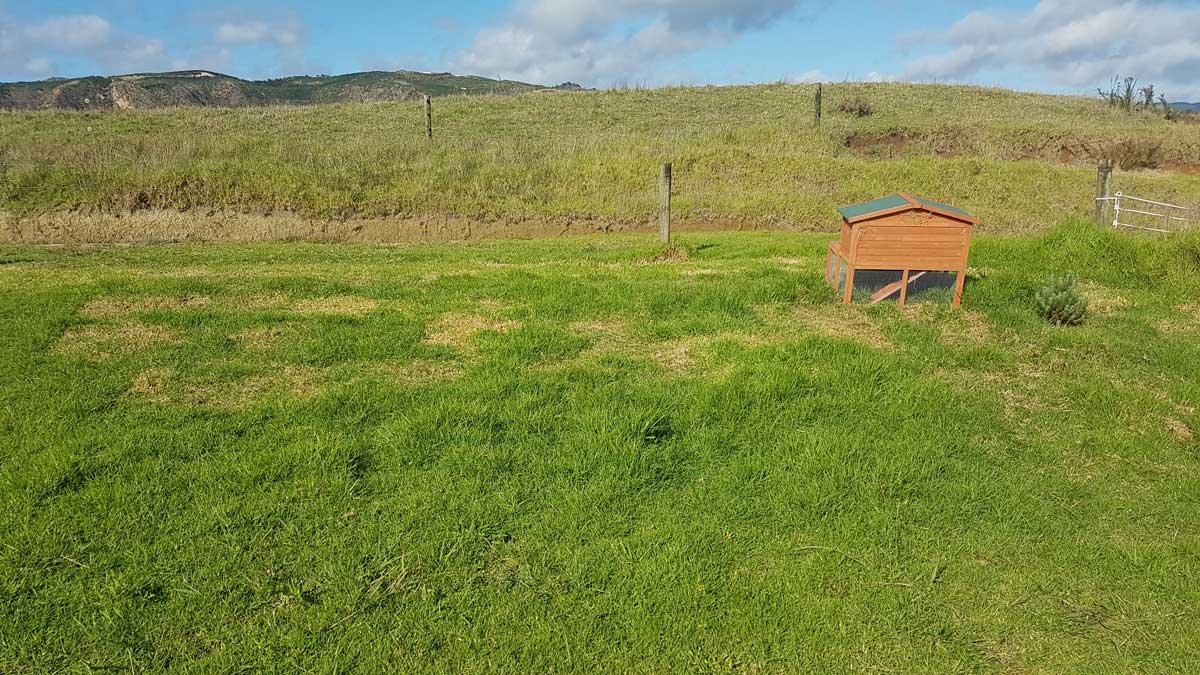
674,252
856,106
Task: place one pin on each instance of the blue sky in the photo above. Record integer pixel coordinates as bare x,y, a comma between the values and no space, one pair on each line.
1068,46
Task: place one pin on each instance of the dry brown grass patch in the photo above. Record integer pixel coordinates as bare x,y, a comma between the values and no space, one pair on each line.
1102,300
1178,428
1019,387
261,337
608,337
153,383
1175,326
105,307
456,330
262,301
103,341
676,355
954,325
339,306
491,305
846,322
422,372
810,263
163,386
615,338
671,254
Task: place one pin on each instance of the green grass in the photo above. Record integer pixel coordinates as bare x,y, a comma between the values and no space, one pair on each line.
743,156
558,456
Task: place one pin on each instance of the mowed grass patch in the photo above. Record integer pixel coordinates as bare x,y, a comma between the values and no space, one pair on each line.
562,455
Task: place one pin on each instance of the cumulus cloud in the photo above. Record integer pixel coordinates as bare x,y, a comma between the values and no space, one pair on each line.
220,42
594,42
1073,43
29,47
289,33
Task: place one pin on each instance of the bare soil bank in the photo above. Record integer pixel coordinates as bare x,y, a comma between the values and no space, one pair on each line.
152,226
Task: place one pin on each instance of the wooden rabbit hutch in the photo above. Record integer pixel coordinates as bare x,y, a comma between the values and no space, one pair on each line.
900,232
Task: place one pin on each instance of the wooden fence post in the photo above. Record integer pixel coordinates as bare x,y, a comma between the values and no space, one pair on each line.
817,109
428,118
1104,193
664,203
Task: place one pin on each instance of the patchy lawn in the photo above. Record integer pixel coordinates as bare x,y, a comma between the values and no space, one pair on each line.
577,455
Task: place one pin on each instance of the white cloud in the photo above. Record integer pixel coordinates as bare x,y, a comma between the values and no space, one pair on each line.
809,77
28,47
39,66
598,42
1076,43
286,34
38,49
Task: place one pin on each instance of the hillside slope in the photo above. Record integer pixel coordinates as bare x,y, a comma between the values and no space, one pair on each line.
203,88
744,158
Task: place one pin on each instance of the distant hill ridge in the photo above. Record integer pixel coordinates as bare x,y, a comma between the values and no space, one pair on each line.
1190,107
202,88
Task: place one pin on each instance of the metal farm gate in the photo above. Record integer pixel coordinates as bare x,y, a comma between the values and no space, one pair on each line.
1135,213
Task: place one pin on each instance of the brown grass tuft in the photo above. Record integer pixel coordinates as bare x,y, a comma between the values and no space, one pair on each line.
1178,428
421,372
263,301
338,306
954,325
676,355
846,322
99,342
261,337
608,337
1102,300
152,384
810,263
163,386
614,338
456,330
106,307
672,253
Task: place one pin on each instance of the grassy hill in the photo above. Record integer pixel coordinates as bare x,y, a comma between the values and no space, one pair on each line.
546,162
198,88
564,456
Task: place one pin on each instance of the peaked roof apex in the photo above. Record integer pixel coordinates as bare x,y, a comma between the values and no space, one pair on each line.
900,203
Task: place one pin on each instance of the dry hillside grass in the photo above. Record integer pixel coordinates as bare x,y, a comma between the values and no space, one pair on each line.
568,163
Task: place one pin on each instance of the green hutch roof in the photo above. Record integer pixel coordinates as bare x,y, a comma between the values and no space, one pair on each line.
874,206
898,203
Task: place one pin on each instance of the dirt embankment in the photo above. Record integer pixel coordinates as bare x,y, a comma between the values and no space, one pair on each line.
152,226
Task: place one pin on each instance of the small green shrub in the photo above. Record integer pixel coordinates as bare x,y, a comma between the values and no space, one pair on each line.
1060,303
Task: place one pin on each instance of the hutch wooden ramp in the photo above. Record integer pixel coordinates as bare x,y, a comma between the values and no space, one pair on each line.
900,232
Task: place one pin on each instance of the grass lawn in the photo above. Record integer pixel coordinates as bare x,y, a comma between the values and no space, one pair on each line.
565,456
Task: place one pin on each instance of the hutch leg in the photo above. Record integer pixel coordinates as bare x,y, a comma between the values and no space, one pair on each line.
849,299
830,270
958,287
904,288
